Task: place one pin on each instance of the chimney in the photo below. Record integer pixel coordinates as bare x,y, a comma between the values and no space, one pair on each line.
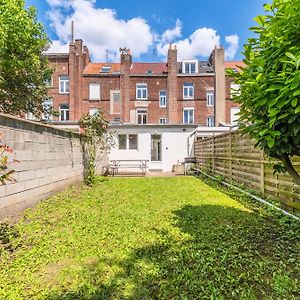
126,62
77,63
217,59
172,85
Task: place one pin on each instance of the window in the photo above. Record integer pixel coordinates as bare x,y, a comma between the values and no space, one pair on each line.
64,112
49,82
162,121
141,91
116,120
188,91
128,141
210,98
234,89
122,141
189,67
105,69
48,109
94,91
162,99
64,84
30,116
93,111
188,115
234,115
115,102
142,116
210,122
132,141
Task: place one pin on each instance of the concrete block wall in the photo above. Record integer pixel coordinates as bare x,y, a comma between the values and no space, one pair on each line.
50,159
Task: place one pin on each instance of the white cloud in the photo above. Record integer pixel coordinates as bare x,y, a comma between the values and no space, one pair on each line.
170,34
99,28
200,43
233,46
58,47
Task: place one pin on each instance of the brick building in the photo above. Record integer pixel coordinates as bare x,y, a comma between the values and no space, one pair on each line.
172,92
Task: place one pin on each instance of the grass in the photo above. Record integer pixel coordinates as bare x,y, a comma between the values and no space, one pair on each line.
148,238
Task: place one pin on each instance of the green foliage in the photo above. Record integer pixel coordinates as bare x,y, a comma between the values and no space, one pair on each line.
270,83
95,140
135,238
23,69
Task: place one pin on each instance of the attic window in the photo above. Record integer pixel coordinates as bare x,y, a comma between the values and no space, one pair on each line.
105,69
149,72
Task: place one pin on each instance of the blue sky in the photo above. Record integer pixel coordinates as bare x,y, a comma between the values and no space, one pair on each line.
147,27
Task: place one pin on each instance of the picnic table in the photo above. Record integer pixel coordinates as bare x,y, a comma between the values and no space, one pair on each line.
117,164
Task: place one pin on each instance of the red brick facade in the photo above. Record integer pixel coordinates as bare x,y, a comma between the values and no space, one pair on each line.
123,77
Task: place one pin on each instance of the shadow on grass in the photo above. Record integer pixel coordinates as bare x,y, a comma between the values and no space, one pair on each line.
219,253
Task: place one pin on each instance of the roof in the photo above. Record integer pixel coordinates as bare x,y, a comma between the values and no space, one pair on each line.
156,68
95,68
234,64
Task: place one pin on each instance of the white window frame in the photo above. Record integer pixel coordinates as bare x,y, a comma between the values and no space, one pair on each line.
142,112
210,121
64,84
163,98
93,111
163,121
48,103
235,89
112,92
188,109
210,98
187,66
233,115
188,86
144,91
30,116
92,86
128,142
63,111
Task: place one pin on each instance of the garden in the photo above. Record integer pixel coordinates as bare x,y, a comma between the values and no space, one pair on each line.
149,238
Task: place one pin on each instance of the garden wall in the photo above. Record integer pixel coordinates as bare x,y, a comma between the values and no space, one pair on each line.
50,159
234,157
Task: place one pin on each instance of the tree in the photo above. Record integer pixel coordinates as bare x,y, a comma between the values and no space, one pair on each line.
24,71
270,84
95,140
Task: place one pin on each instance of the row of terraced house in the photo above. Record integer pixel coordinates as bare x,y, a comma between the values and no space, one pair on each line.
153,109
172,92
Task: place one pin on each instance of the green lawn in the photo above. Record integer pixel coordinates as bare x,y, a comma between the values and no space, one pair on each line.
148,238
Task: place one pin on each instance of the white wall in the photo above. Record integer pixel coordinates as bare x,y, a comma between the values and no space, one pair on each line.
174,146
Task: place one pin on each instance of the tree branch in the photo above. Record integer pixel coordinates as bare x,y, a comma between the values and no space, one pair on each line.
290,168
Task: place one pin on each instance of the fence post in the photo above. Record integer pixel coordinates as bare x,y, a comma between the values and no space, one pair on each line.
213,154
262,173
230,155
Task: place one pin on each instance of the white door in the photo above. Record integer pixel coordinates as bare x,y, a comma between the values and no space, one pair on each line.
156,152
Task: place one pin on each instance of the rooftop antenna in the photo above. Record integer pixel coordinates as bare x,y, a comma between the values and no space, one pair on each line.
106,55
72,31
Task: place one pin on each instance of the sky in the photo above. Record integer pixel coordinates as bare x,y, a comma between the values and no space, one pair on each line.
148,27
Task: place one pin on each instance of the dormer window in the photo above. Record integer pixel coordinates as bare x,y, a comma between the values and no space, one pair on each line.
105,69
190,67
149,72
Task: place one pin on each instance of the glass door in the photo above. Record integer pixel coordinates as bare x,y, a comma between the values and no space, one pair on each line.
156,147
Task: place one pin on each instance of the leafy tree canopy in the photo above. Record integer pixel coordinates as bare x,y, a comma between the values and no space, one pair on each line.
24,70
270,83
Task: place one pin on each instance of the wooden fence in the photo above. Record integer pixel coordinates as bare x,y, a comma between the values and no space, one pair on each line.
235,158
